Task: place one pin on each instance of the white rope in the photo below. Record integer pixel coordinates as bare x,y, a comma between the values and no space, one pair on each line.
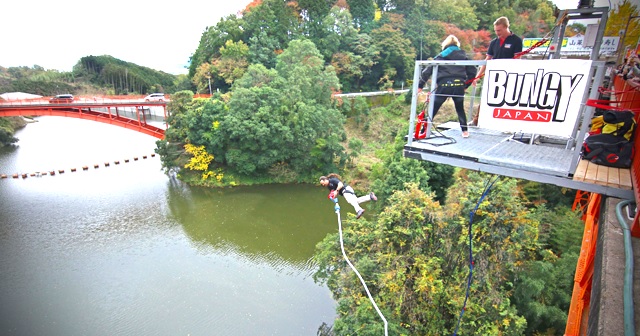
344,254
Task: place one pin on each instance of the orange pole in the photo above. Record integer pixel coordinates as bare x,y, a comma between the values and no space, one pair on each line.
164,112
581,296
138,115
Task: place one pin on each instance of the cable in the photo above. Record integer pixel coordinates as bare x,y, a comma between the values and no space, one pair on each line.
435,129
487,188
344,254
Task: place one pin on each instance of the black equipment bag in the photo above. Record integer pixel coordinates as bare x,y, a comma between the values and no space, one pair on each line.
608,150
620,123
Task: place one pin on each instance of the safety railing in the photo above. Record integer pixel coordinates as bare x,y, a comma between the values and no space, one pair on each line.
581,296
628,95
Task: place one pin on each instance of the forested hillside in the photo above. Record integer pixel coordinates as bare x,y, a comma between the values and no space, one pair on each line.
123,77
272,120
91,75
370,44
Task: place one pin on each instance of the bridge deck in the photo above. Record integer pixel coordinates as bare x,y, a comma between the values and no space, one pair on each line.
138,124
499,153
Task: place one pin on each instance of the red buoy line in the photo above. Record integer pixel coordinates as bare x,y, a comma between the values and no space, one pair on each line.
62,171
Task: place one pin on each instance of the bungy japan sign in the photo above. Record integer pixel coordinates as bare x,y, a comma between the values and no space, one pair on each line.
533,96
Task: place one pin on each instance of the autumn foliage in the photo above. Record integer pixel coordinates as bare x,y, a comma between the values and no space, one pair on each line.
476,42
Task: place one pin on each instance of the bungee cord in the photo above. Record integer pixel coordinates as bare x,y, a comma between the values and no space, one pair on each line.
344,254
487,188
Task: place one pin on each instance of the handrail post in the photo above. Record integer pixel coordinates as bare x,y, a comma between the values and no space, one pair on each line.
432,92
414,102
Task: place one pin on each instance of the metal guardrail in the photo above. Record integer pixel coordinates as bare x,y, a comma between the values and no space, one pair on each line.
630,99
369,94
81,100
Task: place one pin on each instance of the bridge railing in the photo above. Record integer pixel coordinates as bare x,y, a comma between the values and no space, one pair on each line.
81,100
100,99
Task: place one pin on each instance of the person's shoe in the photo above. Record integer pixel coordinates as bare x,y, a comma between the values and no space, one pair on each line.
373,196
360,213
465,134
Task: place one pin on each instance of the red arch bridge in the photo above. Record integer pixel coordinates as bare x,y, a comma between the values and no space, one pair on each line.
134,113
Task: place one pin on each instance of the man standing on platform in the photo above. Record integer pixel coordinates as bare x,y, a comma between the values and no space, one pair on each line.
505,45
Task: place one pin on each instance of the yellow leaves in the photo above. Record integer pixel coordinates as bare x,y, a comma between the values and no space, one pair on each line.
216,125
200,161
377,15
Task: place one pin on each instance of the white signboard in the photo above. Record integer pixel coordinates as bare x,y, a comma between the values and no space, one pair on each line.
575,44
533,96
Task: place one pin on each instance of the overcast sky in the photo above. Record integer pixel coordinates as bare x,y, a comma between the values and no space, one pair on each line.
156,34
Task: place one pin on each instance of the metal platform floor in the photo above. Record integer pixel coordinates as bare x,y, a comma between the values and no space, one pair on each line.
499,153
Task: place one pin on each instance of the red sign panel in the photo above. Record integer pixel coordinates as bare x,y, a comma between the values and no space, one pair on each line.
524,115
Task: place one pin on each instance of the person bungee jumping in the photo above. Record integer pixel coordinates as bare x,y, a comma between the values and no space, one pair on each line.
333,183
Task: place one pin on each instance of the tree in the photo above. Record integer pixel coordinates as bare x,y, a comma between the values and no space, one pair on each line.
362,11
193,139
404,281
171,148
351,54
486,11
504,235
396,171
476,42
312,12
200,160
542,291
338,31
123,77
574,29
414,258
617,22
181,83
263,49
202,77
397,174
277,19
214,38
284,116
548,194
424,33
458,12
396,53
232,62
7,129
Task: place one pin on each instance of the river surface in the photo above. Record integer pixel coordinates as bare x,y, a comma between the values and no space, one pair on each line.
127,250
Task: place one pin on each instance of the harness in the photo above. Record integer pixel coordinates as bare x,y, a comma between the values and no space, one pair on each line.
346,191
454,83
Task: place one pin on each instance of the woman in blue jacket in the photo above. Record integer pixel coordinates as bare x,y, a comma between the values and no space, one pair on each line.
452,80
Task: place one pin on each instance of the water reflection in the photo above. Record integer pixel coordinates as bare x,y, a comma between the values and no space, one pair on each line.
279,224
125,250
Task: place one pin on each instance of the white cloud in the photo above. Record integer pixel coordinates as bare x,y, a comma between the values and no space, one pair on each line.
56,34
